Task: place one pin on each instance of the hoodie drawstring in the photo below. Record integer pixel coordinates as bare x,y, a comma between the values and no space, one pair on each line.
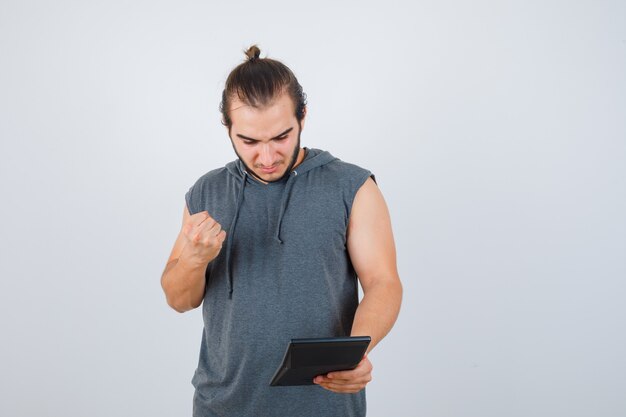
238,170
231,231
283,204
231,235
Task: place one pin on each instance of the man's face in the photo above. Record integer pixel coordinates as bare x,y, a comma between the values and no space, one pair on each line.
267,140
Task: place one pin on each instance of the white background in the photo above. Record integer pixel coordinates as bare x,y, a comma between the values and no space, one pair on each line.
496,131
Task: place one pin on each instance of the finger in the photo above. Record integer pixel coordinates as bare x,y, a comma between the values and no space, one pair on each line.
198,218
210,228
193,223
208,237
201,231
346,376
363,368
353,379
345,381
206,222
343,389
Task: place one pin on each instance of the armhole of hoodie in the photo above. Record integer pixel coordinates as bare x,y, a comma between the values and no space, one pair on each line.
189,202
358,183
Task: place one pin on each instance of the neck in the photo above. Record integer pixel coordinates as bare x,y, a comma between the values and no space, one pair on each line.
300,158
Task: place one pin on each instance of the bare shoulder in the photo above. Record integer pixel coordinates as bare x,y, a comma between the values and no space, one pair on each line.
370,239
368,206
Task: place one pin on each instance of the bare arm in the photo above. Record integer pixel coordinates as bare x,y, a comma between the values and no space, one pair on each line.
373,255
198,242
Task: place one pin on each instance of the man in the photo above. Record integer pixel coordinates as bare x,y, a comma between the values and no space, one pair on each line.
272,245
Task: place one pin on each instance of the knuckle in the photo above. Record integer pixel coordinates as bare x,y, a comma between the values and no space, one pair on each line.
204,219
199,216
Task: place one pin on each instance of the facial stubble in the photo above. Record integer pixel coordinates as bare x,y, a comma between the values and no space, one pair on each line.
294,158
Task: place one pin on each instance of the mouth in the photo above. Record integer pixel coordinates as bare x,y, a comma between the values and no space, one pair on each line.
269,170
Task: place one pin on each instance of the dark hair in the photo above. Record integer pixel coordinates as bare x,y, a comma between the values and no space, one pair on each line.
257,81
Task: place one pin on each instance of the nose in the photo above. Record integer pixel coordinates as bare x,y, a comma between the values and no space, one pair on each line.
266,155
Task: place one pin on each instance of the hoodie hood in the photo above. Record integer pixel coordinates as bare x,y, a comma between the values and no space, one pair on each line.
313,158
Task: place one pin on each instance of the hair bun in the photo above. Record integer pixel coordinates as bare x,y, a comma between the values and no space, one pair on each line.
253,53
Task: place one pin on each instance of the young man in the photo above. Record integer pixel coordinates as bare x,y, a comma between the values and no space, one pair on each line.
272,246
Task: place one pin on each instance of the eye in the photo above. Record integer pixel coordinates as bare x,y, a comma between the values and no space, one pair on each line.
282,137
249,142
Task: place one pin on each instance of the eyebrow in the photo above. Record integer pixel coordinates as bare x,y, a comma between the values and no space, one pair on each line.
257,140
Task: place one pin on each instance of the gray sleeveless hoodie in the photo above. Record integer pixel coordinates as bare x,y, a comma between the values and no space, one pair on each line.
283,272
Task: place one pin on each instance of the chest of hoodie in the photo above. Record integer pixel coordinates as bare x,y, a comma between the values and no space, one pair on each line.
283,230
302,287
307,280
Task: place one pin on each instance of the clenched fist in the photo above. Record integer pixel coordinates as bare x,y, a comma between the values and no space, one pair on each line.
204,238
